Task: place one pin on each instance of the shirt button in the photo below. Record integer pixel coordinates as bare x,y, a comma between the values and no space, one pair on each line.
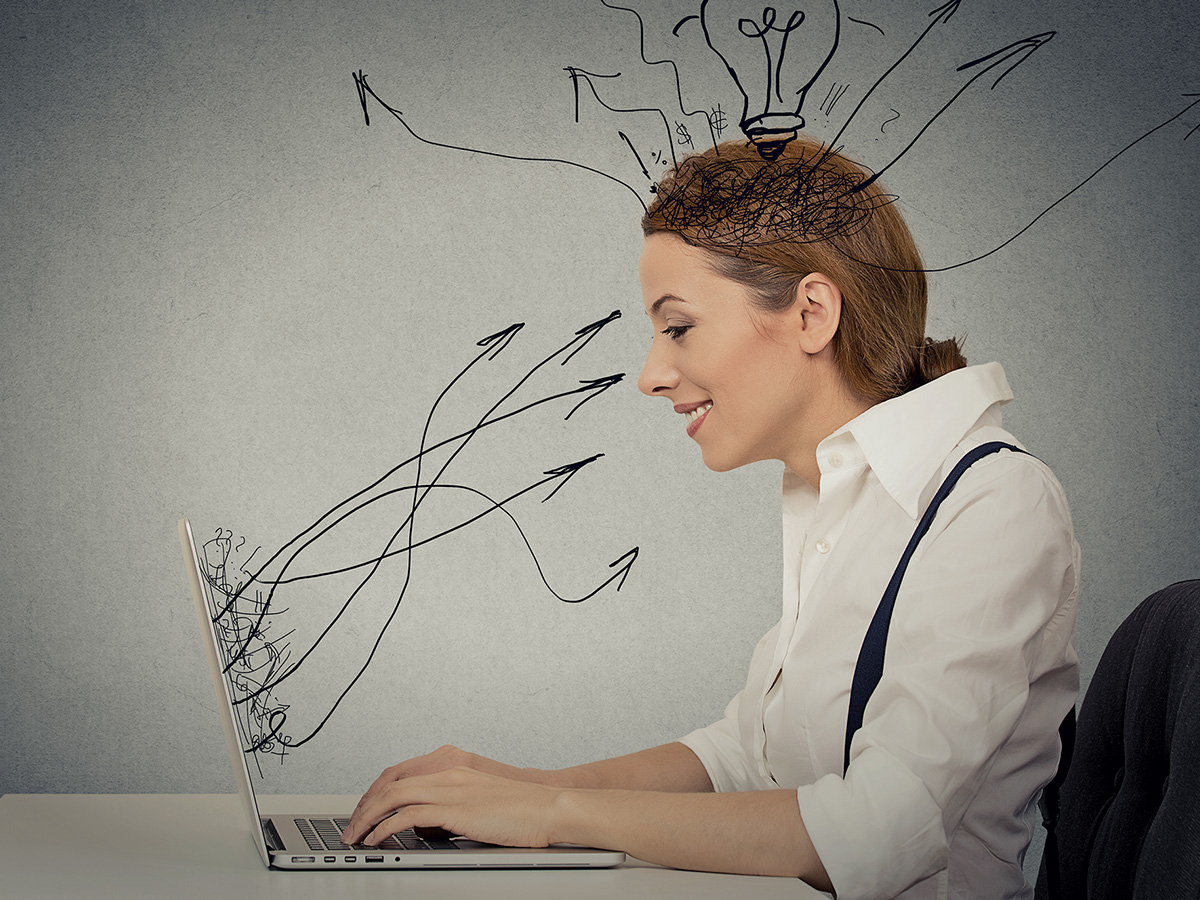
823,546
835,460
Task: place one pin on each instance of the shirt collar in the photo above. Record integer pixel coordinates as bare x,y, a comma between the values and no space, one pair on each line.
907,439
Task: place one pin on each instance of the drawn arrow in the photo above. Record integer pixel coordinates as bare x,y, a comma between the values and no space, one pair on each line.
568,472
501,339
940,16
1018,51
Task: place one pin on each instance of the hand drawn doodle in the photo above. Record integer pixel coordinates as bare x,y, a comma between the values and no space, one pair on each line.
772,60
245,602
775,53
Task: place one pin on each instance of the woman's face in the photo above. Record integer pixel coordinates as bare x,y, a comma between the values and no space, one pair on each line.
735,374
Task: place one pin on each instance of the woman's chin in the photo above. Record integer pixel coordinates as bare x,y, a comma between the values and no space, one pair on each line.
718,463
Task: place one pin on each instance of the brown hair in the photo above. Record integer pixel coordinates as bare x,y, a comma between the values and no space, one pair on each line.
768,224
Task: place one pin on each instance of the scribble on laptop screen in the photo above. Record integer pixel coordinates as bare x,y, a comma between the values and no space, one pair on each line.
246,591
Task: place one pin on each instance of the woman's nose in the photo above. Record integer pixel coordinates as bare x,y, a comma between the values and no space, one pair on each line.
658,374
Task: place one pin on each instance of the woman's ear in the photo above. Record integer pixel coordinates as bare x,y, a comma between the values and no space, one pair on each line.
818,310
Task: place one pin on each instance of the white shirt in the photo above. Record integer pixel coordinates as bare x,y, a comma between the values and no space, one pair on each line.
961,733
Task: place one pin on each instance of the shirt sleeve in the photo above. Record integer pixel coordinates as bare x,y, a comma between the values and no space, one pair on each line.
720,746
979,650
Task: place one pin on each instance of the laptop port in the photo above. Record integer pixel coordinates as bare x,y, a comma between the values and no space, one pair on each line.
303,859
350,859
375,859
330,859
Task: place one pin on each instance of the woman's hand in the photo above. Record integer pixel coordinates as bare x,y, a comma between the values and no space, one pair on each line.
462,800
440,760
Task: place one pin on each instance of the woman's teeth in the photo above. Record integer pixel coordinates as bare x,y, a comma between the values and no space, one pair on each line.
697,412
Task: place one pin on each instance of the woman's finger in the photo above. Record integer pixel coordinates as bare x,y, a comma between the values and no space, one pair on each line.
389,799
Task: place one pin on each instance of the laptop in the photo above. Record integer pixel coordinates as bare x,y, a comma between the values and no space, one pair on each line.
302,841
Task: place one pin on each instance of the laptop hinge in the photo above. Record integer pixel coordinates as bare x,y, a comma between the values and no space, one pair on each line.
274,842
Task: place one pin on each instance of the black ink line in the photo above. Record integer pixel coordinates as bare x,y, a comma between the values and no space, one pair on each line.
940,16
579,73
363,89
1077,187
863,22
492,345
1197,128
1019,50
575,84
567,471
836,97
633,149
663,62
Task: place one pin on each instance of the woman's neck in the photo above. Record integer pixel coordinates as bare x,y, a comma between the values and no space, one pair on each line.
839,407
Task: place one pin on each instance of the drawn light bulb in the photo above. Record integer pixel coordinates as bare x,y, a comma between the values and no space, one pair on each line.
774,54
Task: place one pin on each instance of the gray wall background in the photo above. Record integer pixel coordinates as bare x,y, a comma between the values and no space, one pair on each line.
223,295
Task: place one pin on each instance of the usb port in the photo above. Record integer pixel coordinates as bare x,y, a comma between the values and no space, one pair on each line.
374,859
303,859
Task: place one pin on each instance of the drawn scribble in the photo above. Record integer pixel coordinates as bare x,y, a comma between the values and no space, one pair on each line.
810,201
244,627
775,53
843,211
245,602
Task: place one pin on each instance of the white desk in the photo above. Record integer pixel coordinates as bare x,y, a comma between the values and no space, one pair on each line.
185,846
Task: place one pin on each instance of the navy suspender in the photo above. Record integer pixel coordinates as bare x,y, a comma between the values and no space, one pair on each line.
869,668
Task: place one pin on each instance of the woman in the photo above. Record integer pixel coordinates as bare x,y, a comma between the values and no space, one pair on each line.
788,306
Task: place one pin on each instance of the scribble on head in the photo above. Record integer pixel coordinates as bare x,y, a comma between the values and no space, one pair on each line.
731,196
768,224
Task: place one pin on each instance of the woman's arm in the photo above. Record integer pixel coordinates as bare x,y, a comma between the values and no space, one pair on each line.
752,832
744,832
670,767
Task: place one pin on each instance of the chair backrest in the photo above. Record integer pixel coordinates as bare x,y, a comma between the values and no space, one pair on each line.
1129,818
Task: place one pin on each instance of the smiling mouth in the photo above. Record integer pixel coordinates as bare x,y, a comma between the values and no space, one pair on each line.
695,418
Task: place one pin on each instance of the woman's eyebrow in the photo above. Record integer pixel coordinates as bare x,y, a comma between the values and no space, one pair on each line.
665,298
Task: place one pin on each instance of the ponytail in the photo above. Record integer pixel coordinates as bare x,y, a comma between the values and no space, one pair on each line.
939,357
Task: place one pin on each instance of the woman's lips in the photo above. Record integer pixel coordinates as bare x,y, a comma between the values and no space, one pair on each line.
696,414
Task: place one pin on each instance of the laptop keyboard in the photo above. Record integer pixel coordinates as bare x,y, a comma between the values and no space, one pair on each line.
326,834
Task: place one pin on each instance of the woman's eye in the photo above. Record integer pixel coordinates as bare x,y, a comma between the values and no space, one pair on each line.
675,332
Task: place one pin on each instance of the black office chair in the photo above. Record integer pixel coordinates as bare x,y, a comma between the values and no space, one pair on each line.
1129,807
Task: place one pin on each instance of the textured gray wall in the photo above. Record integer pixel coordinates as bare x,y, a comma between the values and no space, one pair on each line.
224,296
